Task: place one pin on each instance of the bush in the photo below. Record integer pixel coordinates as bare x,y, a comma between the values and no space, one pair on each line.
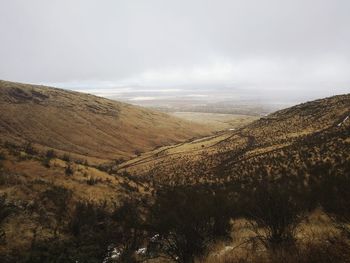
50,154
334,195
187,220
66,157
5,210
105,167
328,250
2,156
93,181
46,162
29,149
119,161
57,198
131,230
137,153
275,210
69,170
98,230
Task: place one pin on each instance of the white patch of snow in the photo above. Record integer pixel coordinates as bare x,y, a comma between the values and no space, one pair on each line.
341,123
154,238
114,253
141,251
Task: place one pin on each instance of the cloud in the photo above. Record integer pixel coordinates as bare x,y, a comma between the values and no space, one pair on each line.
250,44
251,71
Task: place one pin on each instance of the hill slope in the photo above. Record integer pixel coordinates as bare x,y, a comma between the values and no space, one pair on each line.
45,189
85,125
289,141
57,147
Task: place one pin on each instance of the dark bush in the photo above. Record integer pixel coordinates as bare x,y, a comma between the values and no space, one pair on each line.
102,229
131,230
50,154
6,210
275,210
137,152
66,157
119,161
93,181
46,162
187,220
69,170
47,251
57,199
334,196
29,149
2,156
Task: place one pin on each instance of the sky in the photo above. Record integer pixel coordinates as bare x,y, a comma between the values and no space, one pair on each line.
279,48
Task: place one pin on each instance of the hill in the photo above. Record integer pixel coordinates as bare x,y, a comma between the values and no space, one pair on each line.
289,141
63,196
56,150
85,126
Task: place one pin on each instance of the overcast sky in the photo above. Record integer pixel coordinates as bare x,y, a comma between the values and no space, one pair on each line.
274,45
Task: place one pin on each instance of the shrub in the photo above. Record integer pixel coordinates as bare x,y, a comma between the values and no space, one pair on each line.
131,230
105,167
94,230
5,210
137,152
2,156
187,221
66,157
119,161
275,211
58,197
69,170
46,162
13,148
50,154
29,149
93,181
335,198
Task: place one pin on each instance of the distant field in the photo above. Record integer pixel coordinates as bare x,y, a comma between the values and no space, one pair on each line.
216,121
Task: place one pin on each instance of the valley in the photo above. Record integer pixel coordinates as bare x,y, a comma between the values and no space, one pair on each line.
72,163
217,121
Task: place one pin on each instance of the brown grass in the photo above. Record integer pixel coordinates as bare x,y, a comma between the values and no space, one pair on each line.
86,125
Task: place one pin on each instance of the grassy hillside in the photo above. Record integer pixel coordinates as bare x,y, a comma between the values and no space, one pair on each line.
83,125
217,121
284,142
276,190
57,150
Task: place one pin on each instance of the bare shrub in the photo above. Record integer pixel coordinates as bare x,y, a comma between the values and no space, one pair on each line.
275,211
187,220
69,170
5,211
66,157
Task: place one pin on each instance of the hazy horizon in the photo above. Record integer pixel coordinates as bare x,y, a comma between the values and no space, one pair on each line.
281,51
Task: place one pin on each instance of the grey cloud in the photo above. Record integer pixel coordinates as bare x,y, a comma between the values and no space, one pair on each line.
271,44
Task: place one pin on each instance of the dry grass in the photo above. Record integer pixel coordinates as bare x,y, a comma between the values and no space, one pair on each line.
317,238
276,143
25,181
217,121
86,125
